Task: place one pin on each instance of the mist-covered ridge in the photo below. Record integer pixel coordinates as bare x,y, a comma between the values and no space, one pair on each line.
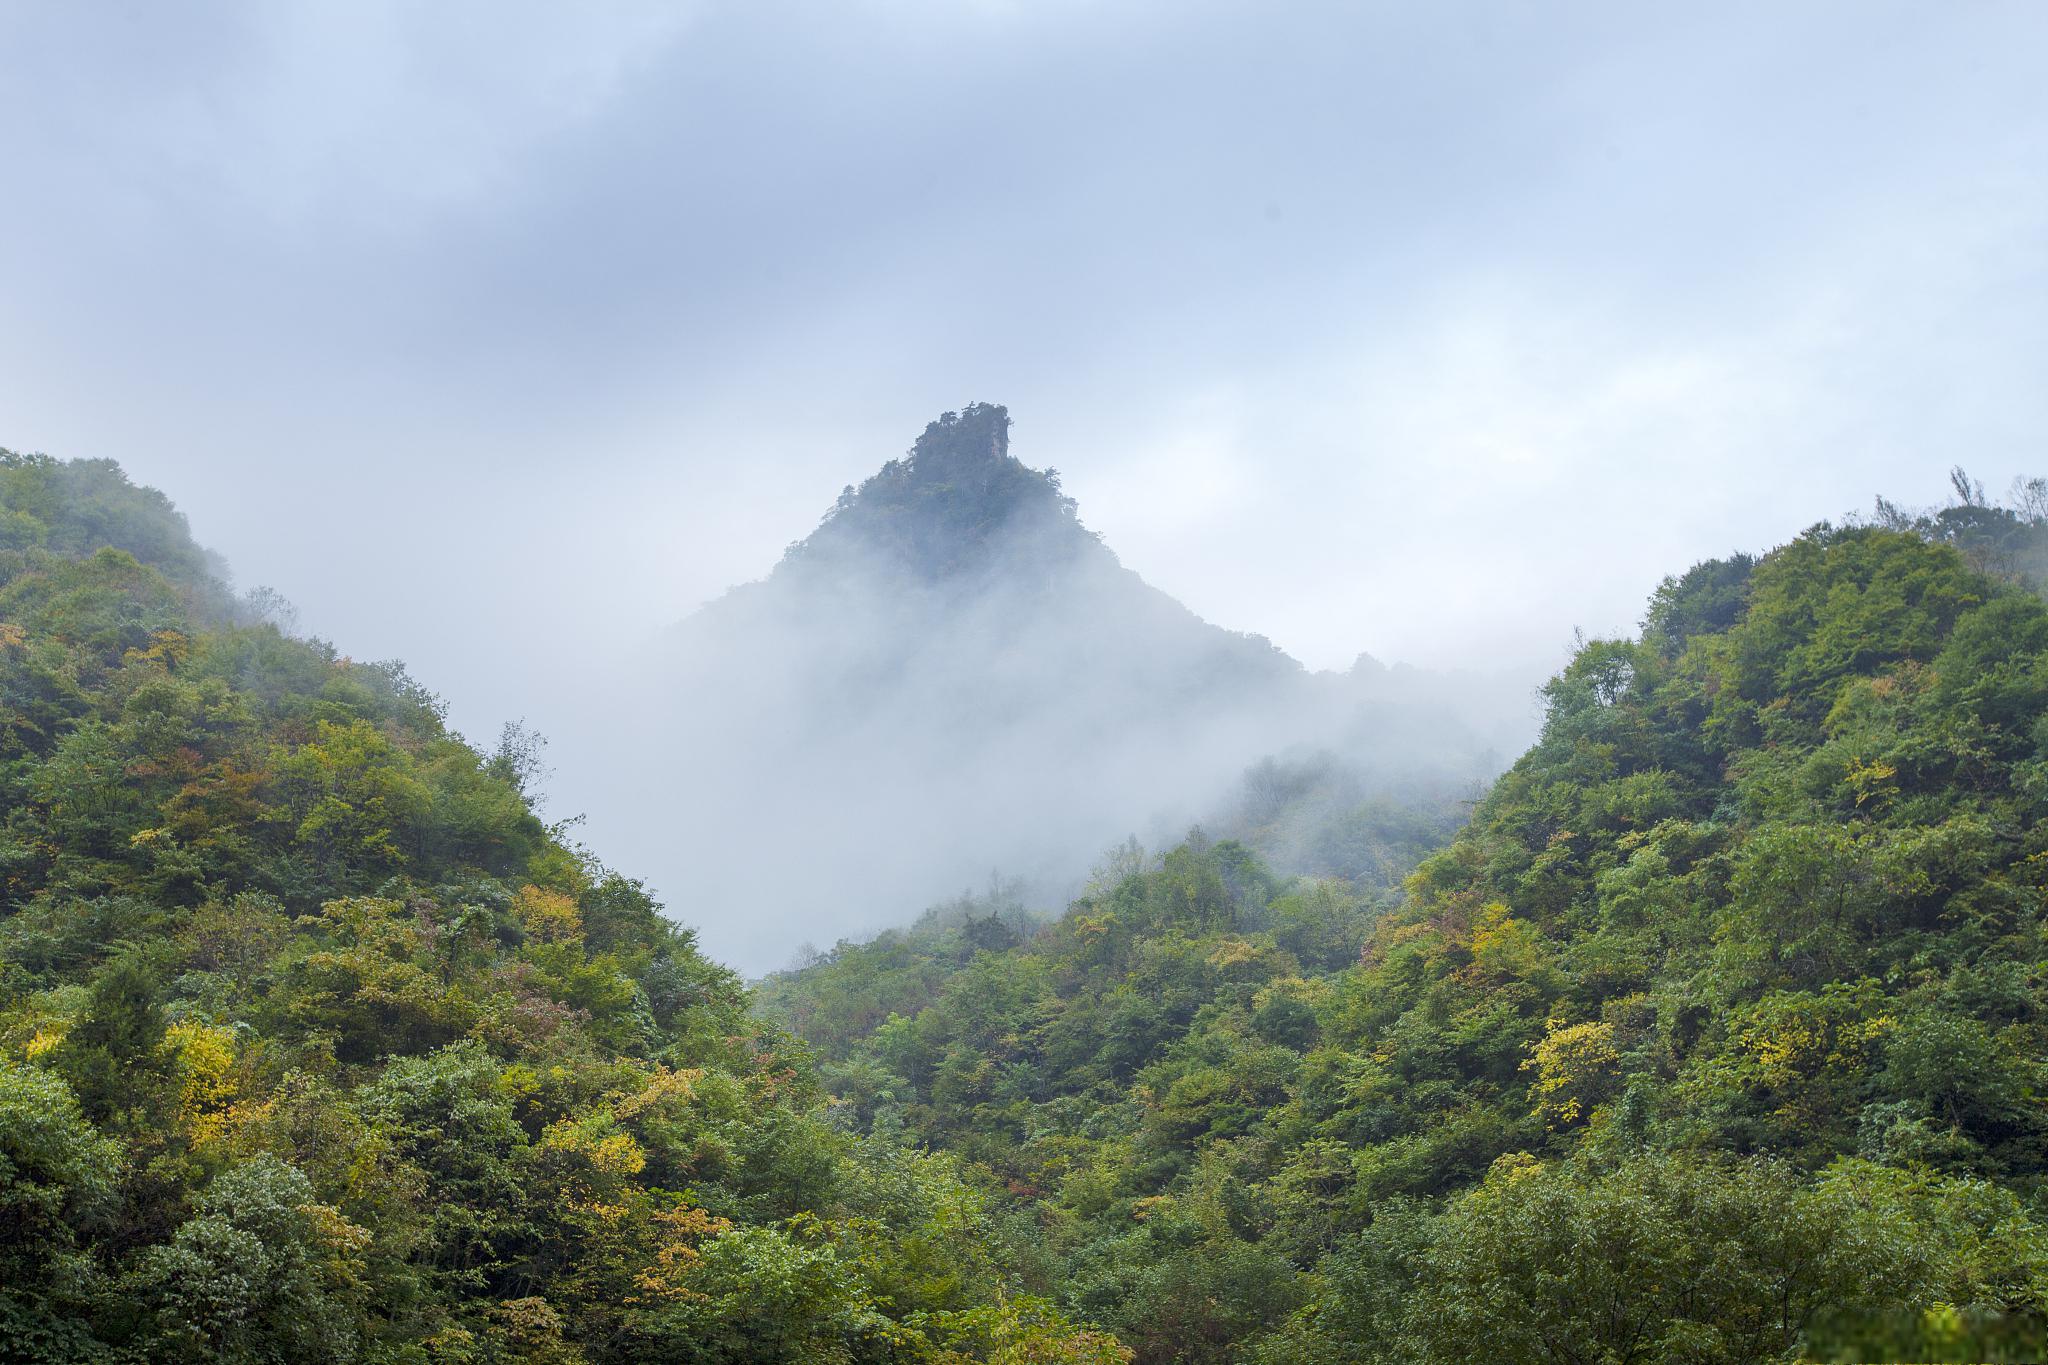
318,1045
952,674
1713,1035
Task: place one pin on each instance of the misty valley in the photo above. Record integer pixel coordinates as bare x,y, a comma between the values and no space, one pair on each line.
951,677
974,955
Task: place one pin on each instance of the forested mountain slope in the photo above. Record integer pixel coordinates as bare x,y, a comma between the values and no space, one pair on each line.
316,1045
953,674
1717,1035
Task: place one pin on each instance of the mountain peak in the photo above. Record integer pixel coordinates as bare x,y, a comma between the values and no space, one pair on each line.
943,507
976,438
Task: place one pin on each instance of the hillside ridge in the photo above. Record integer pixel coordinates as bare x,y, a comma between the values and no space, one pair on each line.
1717,1025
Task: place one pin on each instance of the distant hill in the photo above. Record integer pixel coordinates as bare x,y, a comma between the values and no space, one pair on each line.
952,674
1715,1035
316,1045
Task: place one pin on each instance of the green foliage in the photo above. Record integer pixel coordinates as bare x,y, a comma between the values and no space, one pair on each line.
72,508
263,1272
57,1175
1661,1257
1114,1075
317,1045
1714,1036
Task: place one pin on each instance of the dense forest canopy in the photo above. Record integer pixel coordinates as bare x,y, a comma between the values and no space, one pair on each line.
316,1044
1715,1034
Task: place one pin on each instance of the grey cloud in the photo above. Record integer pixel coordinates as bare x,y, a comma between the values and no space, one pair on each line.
500,336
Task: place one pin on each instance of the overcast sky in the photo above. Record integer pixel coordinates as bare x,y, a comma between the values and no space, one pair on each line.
490,333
